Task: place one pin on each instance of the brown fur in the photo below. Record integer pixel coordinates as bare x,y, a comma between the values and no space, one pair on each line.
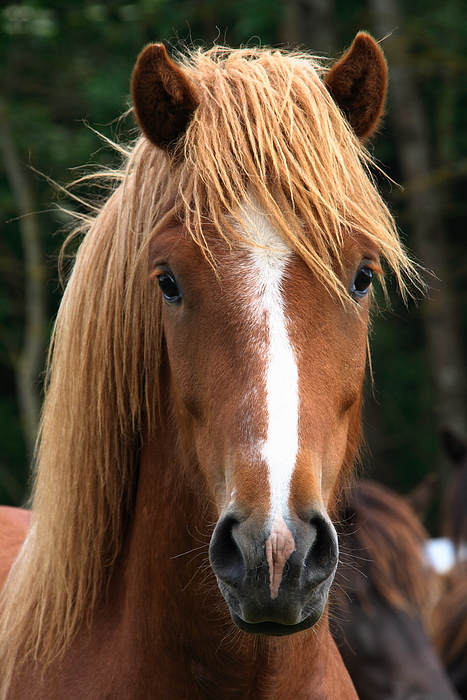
384,592
450,618
358,83
387,539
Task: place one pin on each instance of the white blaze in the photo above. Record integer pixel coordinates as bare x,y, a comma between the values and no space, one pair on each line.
280,448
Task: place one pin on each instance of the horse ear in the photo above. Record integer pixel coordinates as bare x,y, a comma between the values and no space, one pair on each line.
421,497
454,445
163,97
358,83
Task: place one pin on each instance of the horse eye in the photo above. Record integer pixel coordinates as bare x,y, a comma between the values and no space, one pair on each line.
362,282
168,287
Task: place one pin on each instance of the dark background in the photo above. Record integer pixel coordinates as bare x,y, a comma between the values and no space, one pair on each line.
65,67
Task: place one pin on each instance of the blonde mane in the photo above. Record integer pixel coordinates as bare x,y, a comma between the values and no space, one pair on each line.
266,127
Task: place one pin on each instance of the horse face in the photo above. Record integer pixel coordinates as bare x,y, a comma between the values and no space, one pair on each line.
266,365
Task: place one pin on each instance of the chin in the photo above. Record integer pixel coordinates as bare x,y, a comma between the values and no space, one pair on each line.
275,629
280,617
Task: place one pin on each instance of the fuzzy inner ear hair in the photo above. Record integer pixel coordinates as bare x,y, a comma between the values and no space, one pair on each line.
358,84
164,99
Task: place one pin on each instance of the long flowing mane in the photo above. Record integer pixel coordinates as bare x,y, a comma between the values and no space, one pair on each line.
267,128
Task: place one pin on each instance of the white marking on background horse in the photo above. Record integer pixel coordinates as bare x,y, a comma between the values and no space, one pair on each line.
270,258
441,554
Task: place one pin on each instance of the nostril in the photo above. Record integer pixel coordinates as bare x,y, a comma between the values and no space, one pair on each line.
321,558
224,553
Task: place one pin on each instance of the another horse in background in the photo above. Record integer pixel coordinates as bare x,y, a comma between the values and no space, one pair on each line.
449,627
385,591
449,619
204,392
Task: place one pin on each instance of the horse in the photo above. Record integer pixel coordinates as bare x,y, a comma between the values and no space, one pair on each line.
449,617
449,627
202,407
381,607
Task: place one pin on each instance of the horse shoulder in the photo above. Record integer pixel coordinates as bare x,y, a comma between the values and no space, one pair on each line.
14,524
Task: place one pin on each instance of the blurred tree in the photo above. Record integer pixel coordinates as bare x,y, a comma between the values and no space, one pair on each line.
423,200
28,361
312,24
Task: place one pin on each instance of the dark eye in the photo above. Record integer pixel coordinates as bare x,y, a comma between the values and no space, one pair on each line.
362,282
169,287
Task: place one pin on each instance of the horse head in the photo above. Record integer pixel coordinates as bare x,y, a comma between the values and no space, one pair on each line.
266,352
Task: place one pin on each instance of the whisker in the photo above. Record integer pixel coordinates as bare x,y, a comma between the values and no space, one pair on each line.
183,554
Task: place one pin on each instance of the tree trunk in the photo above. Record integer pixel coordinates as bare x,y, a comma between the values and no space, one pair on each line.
426,217
310,23
29,362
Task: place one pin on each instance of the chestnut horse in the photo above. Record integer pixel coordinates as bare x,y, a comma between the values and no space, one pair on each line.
204,391
383,597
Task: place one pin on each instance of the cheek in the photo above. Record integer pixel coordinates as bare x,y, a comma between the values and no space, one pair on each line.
183,364
335,454
350,370
194,364
217,382
332,358
332,354
348,348
192,374
331,339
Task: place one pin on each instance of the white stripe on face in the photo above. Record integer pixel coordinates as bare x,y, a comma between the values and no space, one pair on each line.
269,260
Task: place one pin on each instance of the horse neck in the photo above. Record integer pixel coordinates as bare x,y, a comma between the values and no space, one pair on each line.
174,617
